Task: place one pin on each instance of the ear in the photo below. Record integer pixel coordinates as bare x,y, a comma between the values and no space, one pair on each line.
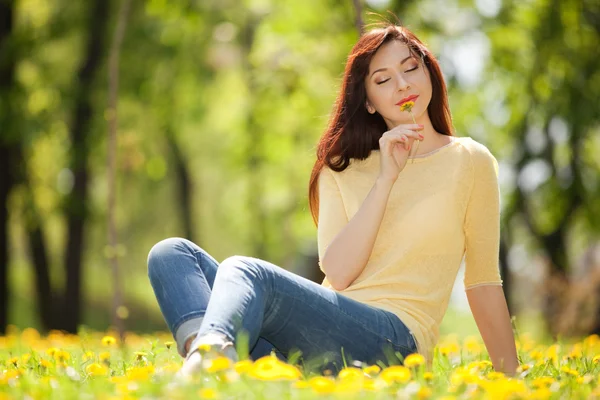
369,107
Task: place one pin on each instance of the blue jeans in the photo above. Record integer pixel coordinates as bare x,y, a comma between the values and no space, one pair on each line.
275,308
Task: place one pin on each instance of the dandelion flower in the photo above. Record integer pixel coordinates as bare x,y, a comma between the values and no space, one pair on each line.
218,364
322,385
96,370
396,373
414,360
108,341
407,106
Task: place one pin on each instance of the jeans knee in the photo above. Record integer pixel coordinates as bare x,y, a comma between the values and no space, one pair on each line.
244,265
161,253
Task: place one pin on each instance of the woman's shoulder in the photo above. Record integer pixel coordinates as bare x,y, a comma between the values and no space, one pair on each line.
477,151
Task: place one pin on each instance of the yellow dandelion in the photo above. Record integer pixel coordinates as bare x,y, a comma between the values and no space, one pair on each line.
407,106
428,376
523,368
596,359
204,347
542,381
207,393
140,373
218,364
414,360
569,371
45,363
351,374
542,393
300,385
243,366
396,373
50,351
104,356
536,355
585,379
270,368
169,344
321,384
14,361
96,369
88,355
372,370
495,375
472,345
449,348
108,341
424,392
140,355
62,356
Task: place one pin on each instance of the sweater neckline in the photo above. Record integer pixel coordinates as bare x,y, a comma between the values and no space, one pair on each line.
432,154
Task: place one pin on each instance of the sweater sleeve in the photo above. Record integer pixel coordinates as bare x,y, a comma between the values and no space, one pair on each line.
482,221
332,213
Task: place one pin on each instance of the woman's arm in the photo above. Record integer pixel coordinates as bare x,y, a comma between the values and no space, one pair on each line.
349,251
490,311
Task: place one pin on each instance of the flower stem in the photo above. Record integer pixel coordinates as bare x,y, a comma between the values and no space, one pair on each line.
417,149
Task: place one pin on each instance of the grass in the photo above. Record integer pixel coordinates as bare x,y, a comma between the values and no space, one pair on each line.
98,366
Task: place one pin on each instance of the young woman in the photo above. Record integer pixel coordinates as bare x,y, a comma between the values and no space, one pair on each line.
397,204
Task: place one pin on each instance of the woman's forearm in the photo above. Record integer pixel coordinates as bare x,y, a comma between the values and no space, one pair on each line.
350,250
490,311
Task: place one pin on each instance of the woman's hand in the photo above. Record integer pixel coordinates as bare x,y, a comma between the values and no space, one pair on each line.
394,148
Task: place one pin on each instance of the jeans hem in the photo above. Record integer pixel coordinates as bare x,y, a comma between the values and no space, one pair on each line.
186,328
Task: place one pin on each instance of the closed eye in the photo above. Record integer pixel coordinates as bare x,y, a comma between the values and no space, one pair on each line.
408,70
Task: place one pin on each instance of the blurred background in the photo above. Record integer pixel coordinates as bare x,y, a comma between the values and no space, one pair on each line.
126,122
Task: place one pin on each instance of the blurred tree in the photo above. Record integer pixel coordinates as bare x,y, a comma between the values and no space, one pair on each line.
10,155
82,135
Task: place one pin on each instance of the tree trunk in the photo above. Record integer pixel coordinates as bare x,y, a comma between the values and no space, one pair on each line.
45,297
80,132
7,138
184,182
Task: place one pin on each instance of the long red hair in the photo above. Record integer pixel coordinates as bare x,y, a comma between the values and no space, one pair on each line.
353,132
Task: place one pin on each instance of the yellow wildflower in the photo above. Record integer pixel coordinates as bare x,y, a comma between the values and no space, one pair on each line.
242,366
50,351
542,381
104,356
218,364
62,356
169,344
372,370
96,370
424,392
208,393
108,341
321,384
407,106
204,347
270,368
396,373
140,373
414,360
428,376
14,361
351,374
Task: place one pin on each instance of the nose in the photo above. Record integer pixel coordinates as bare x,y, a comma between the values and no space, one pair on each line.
402,83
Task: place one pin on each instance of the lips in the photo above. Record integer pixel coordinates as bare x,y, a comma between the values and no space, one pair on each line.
409,98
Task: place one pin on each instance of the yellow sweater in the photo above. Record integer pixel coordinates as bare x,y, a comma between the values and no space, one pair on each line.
442,207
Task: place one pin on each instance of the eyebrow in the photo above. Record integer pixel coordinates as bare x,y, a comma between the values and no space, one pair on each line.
401,62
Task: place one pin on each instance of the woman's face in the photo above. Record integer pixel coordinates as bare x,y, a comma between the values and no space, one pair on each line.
394,74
